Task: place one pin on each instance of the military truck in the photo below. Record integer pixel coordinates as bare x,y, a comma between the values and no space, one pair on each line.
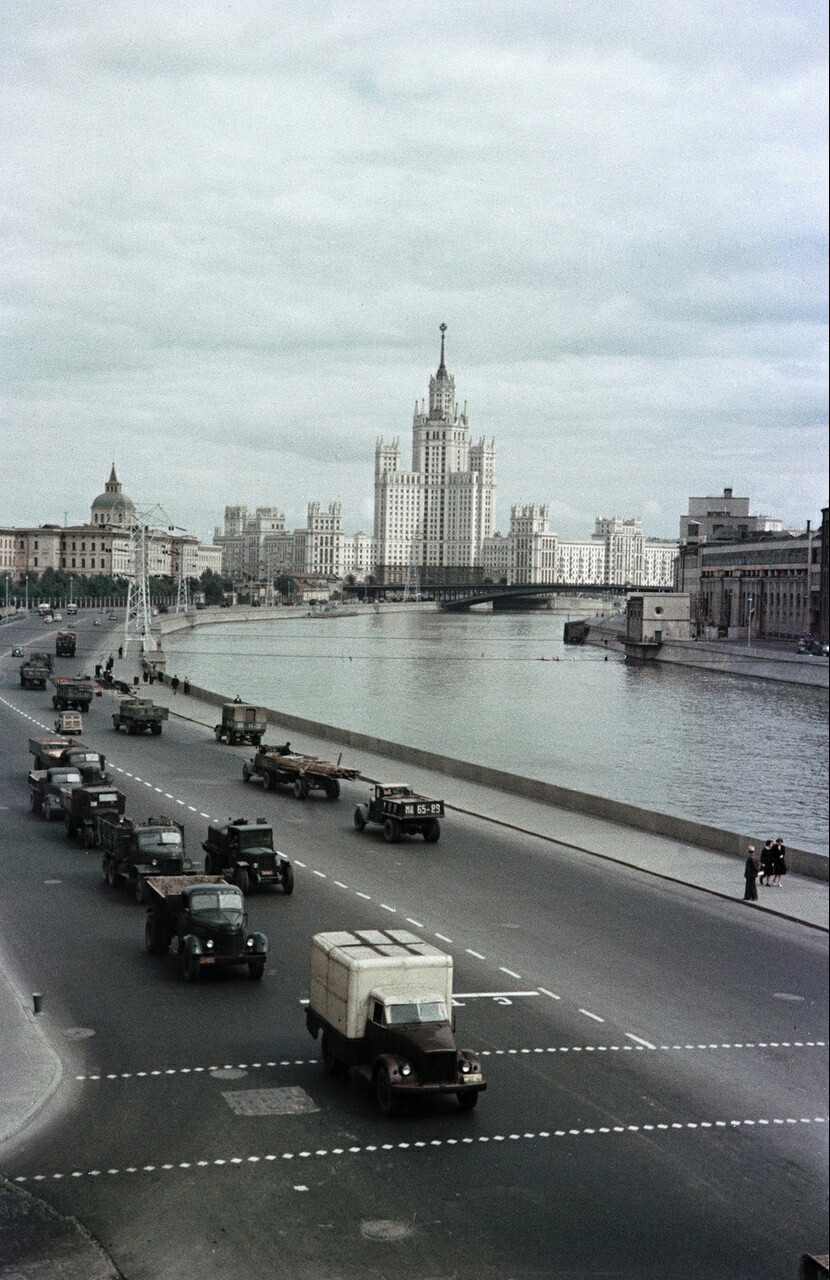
51,752
243,852
396,807
135,850
82,805
280,766
205,917
73,693
66,642
35,670
241,723
383,1000
137,715
45,787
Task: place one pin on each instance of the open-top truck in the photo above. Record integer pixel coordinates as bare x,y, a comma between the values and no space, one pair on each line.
69,723
243,852
132,851
66,642
396,807
73,693
241,723
383,1000
279,766
51,752
83,805
35,670
137,715
46,787
205,917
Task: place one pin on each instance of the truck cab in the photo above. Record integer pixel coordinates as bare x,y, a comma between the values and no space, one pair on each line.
133,851
244,852
207,920
90,764
45,787
82,805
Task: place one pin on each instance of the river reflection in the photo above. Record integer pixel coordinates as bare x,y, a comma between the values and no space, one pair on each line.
502,689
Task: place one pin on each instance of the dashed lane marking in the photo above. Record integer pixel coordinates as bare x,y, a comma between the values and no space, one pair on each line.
443,937
544,991
595,1016
646,1044
483,1052
477,955
686,1126
510,973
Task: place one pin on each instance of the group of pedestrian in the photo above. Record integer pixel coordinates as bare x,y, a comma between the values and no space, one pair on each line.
770,868
185,685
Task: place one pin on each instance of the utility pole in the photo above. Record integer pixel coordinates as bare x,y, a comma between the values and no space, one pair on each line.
412,586
137,619
183,591
749,621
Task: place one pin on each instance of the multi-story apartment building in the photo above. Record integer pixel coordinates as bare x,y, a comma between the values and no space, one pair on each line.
260,548
437,515
721,518
767,585
618,553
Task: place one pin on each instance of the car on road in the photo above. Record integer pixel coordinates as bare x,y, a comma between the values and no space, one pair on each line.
47,617
97,622
112,617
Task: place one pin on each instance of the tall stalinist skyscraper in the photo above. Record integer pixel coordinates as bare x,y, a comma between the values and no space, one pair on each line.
438,514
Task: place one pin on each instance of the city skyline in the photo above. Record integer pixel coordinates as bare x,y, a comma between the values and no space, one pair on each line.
231,236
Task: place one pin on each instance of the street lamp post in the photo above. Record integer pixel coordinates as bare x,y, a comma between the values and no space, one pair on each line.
749,621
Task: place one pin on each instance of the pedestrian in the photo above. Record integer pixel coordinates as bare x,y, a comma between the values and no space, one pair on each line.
750,876
135,680
97,671
174,684
121,651
145,675
779,864
237,698
186,686
767,862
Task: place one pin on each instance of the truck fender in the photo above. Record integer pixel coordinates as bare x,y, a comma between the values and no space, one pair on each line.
192,945
391,1062
260,947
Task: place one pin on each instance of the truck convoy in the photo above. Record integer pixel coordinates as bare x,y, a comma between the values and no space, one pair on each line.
133,851
205,916
137,715
73,693
35,670
241,723
400,812
83,805
49,753
45,787
382,1001
279,766
66,643
244,853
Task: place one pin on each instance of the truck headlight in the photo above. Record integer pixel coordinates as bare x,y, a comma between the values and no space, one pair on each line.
249,943
209,944
465,1068
405,1069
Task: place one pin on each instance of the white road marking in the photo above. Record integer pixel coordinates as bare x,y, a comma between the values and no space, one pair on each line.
205,815
646,1044
595,1016
552,994
365,895
321,874
417,923
510,973
443,937
688,1126
384,907
340,884
479,956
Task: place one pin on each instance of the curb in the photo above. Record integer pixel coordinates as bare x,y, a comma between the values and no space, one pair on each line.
45,1052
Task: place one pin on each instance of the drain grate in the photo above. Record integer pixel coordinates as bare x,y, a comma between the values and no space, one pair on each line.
288,1101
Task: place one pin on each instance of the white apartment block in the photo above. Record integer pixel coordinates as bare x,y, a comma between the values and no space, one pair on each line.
260,548
437,515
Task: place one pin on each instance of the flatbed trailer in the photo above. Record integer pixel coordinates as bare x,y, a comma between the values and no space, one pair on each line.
278,766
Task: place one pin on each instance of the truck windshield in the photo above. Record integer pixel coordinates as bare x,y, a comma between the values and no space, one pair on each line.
157,839
66,776
84,757
255,839
423,1011
229,904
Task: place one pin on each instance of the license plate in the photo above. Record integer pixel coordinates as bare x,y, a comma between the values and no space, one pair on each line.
209,960
474,1077
266,873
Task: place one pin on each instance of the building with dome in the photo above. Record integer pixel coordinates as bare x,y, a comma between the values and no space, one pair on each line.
103,546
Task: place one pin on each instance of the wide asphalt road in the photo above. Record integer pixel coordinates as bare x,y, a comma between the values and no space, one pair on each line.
656,1058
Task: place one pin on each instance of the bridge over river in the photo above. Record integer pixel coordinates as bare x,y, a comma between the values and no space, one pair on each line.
458,596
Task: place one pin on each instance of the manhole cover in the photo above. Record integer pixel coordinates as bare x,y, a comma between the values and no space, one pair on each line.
78,1033
786,995
289,1101
228,1073
385,1229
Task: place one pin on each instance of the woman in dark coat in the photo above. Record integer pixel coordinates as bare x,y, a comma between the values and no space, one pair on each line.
750,876
767,862
779,864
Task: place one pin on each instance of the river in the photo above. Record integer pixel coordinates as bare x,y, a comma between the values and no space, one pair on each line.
502,689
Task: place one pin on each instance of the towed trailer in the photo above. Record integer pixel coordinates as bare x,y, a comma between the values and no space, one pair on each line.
279,766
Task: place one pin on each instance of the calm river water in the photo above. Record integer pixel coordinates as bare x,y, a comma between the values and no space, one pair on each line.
748,755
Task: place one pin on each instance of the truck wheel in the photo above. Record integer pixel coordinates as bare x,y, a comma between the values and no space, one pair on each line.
191,969
269,781
386,1100
242,880
104,875
155,729
467,1100
256,738
217,733
288,880
111,876
330,1063
301,789
256,968
392,831
246,772
141,891
359,820
432,832
332,789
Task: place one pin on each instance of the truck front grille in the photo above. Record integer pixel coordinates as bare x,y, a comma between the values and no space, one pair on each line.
438,1068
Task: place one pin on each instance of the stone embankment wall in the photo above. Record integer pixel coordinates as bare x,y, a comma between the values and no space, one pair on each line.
803,861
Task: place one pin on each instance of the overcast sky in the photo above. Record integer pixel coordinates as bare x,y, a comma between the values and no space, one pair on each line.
231,232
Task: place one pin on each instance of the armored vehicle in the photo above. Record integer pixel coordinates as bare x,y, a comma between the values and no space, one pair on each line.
241,723
135,850
244,853
45,787
382,1000
73,693
82,805
66,642
35,670
205,917
280,766
400,812
137,715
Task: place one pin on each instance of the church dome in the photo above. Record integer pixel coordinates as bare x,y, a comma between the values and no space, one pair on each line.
112,507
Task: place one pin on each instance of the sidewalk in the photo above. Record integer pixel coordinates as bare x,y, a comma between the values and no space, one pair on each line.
801,899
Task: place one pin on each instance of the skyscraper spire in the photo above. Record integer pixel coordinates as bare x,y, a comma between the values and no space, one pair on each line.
442,368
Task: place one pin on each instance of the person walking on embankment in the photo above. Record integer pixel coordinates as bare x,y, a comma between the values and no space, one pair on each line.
750,876
767,863
779,862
